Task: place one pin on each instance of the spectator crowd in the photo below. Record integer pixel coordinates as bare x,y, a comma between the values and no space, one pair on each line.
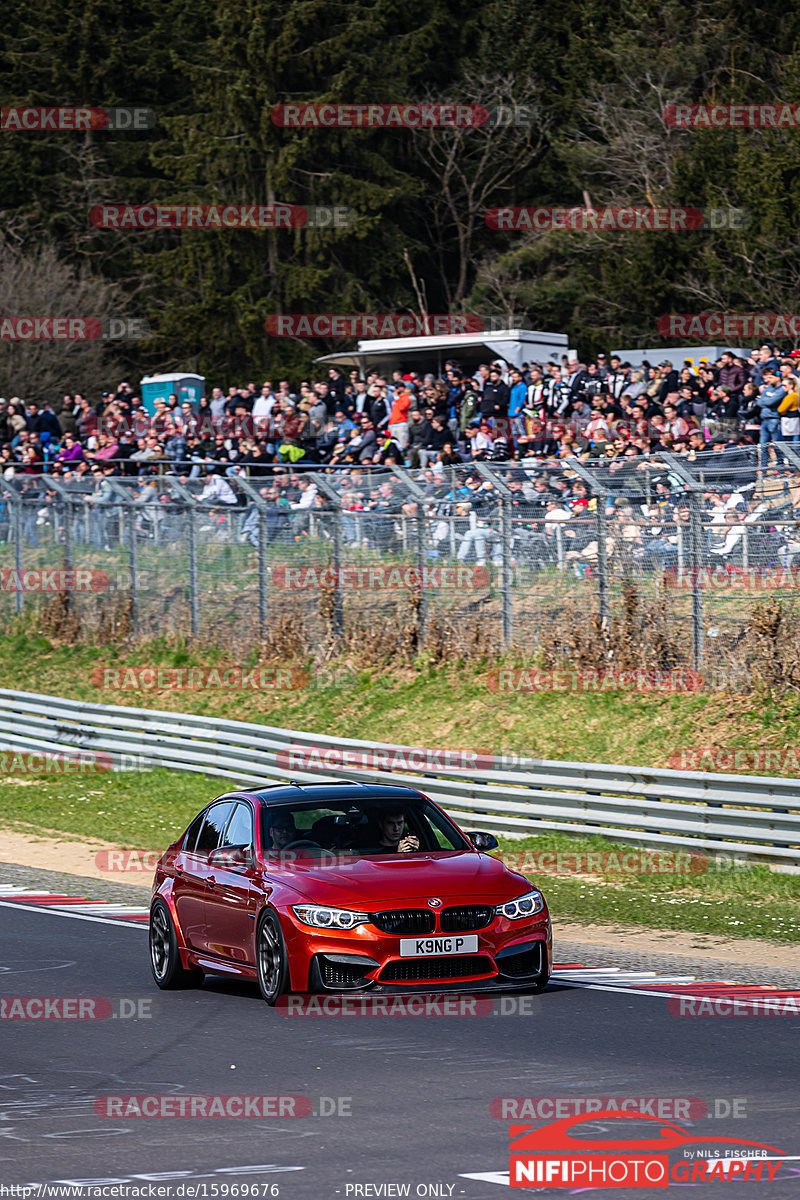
605,414
547,412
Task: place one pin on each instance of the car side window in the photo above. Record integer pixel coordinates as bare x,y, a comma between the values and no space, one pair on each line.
240,827
211,832
190,841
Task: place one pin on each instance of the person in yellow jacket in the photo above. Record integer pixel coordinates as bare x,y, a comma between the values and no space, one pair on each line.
789,412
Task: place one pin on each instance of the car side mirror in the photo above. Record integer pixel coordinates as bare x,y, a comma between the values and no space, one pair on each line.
482,841
230,856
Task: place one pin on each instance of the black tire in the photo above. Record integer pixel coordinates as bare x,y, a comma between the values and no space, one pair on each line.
271,964
165,960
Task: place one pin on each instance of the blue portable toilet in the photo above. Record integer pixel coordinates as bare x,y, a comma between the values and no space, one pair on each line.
160,387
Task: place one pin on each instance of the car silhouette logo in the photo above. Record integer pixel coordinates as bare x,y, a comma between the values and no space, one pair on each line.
555,1137
434,903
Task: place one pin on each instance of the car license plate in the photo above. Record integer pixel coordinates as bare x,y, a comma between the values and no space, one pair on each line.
426,947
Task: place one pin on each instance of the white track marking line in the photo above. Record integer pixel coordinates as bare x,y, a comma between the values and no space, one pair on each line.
107,910
502,1177
54,912
629,991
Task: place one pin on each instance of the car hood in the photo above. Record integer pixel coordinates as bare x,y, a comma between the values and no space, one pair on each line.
395,878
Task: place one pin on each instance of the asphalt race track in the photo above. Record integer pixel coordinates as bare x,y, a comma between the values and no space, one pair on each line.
409,1096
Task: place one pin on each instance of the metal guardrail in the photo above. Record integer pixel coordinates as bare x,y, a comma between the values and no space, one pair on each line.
733,814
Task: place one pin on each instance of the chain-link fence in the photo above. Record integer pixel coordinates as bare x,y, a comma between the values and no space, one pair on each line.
504,552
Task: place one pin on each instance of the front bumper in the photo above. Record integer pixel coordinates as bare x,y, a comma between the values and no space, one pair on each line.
364,959
512,971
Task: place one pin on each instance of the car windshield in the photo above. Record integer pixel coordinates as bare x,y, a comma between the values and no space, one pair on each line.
327,830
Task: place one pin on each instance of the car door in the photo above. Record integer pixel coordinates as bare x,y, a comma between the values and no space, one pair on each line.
191,873
230,900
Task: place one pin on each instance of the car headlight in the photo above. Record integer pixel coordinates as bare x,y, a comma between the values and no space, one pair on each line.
524,906
328,918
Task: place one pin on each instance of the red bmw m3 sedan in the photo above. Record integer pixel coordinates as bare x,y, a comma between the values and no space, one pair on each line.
334,887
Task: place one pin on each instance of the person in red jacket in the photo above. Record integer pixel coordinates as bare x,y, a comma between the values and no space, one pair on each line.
398,417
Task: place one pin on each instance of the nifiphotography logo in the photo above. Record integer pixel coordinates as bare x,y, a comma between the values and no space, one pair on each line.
558,1156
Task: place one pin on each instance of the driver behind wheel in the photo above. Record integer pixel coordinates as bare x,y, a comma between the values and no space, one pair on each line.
283,830
391,839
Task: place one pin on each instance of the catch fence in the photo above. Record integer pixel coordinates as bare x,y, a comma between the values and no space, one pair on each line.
511,551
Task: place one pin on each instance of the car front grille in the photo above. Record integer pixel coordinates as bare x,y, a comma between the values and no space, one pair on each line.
455,966
404,920
465,918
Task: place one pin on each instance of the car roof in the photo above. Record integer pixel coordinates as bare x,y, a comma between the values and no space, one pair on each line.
335,789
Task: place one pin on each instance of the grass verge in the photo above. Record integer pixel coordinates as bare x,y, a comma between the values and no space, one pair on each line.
447,705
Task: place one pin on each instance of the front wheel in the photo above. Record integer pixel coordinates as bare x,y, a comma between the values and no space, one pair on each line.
273,970
165,959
